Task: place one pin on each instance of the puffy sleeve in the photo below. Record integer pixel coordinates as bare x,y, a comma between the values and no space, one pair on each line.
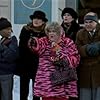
37,45
70,52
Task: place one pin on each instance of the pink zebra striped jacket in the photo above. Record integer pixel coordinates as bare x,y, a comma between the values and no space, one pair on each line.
43,86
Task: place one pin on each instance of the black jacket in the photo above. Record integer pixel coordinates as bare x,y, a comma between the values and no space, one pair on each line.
72,31
8,56
28,61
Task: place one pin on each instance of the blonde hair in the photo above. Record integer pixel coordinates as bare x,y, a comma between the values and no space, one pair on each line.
54,26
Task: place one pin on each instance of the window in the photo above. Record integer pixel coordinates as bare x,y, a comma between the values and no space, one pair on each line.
24,8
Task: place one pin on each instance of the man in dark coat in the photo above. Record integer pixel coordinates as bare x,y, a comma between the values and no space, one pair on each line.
28,61
88,42
8,57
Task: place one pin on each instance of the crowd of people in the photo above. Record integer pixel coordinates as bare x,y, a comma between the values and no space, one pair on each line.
44,48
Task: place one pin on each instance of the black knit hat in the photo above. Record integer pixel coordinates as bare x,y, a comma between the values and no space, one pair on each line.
4,23
70,11
40,15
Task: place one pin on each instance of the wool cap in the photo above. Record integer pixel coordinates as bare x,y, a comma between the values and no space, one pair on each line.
71,11
4,23
40,15
91,17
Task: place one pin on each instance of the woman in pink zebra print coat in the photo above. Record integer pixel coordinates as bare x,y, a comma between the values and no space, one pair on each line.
48,49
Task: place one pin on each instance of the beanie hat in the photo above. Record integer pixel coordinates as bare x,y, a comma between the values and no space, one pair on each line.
70,11
91,17
4,23
40,15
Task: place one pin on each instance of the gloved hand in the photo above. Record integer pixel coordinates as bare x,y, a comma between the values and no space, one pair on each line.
93,49
33,42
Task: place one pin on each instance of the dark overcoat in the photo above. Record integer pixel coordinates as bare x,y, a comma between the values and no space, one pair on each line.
28,60
89,69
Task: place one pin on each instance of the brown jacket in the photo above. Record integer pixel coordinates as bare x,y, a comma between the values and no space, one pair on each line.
89,69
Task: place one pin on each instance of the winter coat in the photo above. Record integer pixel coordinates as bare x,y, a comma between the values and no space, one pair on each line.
28,60
43,86
8,57
71,32
89,69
